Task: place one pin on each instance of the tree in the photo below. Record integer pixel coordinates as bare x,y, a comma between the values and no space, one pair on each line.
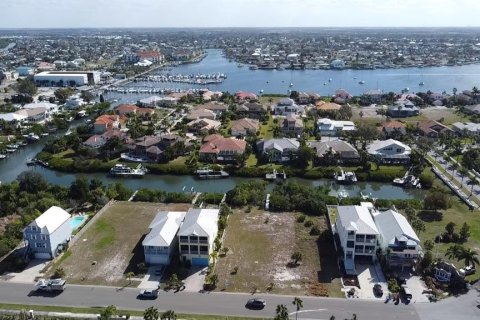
62,94
428,245
87,96
450,228
418,225
173,282
464,173
298,303
102,99
473,183
129,276
304,156
454,167
32,182
464,232
168,315
469,256
79,189
410,212
366,133
281,312
59,273
453,252
108,312
151,314
26,86
435,200
296,257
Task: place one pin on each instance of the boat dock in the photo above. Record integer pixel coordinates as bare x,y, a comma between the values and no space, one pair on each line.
276,175
455,189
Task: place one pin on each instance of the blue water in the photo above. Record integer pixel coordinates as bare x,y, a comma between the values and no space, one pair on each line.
436,79
77,221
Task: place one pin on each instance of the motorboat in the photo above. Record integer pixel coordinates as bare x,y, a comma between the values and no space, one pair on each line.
342,194
408,181
207,173
361,82
421,83
345,177
122,170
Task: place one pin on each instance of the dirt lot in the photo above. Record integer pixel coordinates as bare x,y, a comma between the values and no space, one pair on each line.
114,241
261,243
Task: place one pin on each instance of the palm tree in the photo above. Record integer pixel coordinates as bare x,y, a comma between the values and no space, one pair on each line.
214,256
454,167
282,312
470,257
169,315
151,314
473,183
453,252
464,172
298,304
129,276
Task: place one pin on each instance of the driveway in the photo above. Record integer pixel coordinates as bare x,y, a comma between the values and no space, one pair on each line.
417,287
195,280
152,278
368,276
29,274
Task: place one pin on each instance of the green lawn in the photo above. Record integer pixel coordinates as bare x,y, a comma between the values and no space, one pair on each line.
266,130
11,306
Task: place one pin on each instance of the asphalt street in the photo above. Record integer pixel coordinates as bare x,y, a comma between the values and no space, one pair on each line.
229,304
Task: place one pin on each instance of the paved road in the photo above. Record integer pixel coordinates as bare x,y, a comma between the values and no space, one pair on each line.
208,303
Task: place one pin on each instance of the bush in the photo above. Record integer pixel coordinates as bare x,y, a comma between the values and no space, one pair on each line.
393,286
301,218
426,179
308,223
314,231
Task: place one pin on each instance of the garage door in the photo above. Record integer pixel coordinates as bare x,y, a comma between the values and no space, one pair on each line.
201,262
42,255
157,259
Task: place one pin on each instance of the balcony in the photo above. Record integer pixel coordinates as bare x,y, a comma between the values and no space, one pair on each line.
203,241
351,237
184,252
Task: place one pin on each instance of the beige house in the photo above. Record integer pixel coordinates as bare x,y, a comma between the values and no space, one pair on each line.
244,127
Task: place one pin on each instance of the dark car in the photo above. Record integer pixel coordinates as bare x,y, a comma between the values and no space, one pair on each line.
148,294
377,290
256,303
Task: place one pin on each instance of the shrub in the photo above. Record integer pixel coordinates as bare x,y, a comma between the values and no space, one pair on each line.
308,223
393,286
301,218
314,231
59,273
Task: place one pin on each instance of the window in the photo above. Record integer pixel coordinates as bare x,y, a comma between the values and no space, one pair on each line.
33,236
43,237
40,245
193,239
183,239
204,249
350,244
203,240
399,150
194,249
184,248
34,228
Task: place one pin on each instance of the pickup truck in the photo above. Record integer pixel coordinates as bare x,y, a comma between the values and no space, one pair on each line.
50,285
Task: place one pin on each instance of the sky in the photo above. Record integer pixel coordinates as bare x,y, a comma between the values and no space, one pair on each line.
238,13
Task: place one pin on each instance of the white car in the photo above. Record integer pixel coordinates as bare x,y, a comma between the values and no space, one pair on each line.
149,294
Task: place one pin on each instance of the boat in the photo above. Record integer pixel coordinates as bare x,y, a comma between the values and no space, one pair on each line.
207,173
361,82
367,196
32,137
276,175
3,156
342,194
69,132
43,163
408,181
345,177
10,150
122,170
69,119
253,67
421,83
45,134
240,65
291,84
31,162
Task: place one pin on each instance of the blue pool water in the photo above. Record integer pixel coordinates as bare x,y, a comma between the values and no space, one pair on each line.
77,222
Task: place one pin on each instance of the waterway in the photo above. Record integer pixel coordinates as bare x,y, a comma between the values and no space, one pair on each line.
436,79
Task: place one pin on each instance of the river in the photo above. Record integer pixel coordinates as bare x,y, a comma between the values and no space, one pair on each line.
436,79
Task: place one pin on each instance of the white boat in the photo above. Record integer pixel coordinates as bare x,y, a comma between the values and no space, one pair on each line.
291,84
421,83
69,132
361,82
345,177
122,170
33,137
3,156
408,181
342,194
206,173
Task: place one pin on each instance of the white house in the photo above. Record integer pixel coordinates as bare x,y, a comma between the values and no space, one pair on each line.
328,127
398,235
358,234
286,106
467,128
161,242
48,232
390,151
197,235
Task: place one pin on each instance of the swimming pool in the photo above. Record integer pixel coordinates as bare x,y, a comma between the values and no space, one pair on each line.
77,221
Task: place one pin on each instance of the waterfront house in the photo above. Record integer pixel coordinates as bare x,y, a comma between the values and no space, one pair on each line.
474,109
216,148
286,106
157,101
161,242
393,128
33,115
211,95
396,234
218,108
432,128
341,96
253,110
203,125
357,233
337,64
334,152
402,109
328,127
99,140
197,236
373,96
200,113
389,151
245,96
278,149
46,234
244,127
25,71
292,125
106,122
327,107
125,109
466,128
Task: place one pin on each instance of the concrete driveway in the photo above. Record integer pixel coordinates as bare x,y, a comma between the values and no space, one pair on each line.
368,276
151,280
194,282
29,274
417,287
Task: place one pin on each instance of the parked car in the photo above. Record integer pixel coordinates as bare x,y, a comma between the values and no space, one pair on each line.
467,270
377,290
149,294
407,294
256,303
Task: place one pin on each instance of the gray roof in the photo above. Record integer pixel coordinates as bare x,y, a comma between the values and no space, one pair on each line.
278,144
394,227
163,228
200,222
345,149
357,218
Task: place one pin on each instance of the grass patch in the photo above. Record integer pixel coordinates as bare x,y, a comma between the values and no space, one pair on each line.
251,161
107,233
266,130
97,310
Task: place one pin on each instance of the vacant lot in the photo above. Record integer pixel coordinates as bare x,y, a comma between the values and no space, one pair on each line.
114,242
261,243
